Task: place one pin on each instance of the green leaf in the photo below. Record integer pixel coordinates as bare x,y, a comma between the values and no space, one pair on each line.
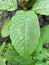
2,47
44,38
12,56
25,32
41,7
8,5
46,32
2,61
5,28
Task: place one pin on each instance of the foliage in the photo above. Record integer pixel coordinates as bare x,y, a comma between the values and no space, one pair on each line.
27,38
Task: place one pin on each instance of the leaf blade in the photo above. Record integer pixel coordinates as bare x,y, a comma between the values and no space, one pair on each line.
15,57
5,28
24,25
44,38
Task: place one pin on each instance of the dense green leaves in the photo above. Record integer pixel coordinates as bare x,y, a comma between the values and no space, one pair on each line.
24,30
5,28
41,7
12,56
43,55
8,5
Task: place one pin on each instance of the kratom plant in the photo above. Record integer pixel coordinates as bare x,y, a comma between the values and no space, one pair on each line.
27,38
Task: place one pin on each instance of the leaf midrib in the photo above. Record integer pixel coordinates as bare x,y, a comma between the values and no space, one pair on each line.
24,31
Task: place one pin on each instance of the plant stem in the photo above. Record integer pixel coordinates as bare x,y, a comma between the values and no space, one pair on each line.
23,3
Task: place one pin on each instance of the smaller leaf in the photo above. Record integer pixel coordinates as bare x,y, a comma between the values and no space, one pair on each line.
41,7
5,29
44,38
41,56
8,5
2,47
12,56
46,32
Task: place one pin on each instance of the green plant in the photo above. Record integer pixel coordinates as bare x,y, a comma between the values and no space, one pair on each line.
27,38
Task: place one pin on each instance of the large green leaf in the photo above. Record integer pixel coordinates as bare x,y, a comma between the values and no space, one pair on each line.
12,56
25,32
5,28
44,38
41,7
9,5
